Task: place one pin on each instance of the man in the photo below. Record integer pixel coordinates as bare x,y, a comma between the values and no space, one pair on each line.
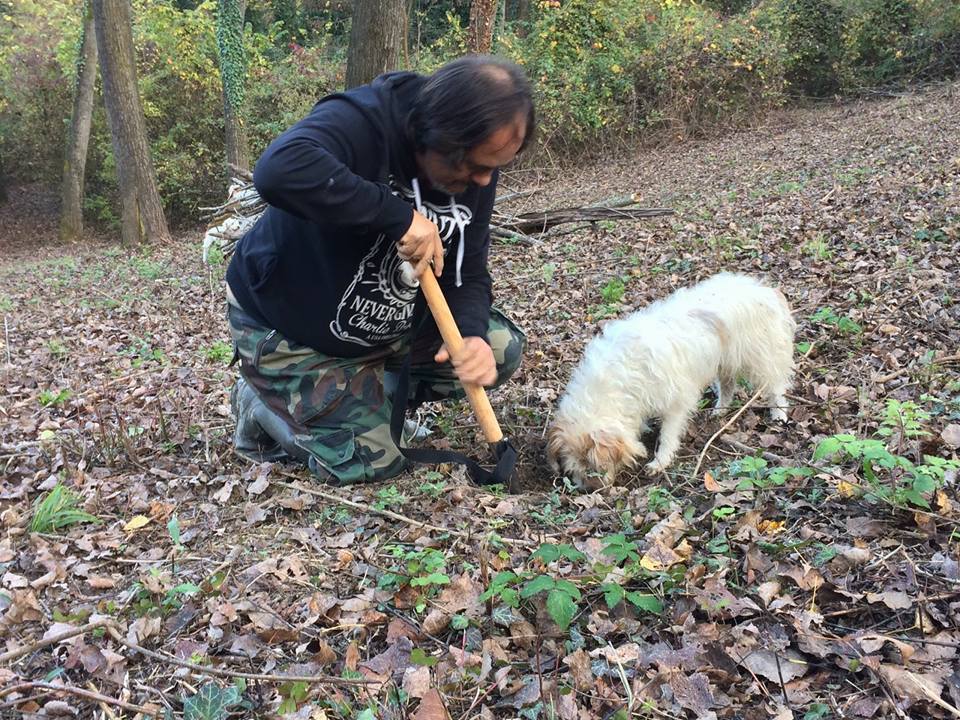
375,186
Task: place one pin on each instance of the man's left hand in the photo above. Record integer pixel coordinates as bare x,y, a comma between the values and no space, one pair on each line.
474,364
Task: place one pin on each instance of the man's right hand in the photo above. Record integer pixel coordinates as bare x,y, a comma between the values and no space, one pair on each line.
421,245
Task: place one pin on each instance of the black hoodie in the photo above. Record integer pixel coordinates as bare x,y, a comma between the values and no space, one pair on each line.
321,264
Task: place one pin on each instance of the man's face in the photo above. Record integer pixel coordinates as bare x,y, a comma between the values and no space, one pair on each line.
478,165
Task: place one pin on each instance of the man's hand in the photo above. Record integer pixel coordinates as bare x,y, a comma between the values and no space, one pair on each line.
421,245
474,364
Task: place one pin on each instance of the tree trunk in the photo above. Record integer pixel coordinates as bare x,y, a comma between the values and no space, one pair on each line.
233,69
141,211
75,162
483,14
376,39
523,14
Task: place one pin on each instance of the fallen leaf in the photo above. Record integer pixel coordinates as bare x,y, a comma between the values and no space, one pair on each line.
101,583
431,707
893,600
710,483
136,522
416,681
951,435
787,665
626,654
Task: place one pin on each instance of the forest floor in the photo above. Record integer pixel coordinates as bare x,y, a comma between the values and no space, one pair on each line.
805,570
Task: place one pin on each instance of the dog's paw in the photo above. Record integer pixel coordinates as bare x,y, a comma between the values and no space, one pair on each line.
655,467
778,415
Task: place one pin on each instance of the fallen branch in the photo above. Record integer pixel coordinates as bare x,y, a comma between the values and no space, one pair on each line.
230,674
228,222
71,690
9,657
904,370
542,220
394,516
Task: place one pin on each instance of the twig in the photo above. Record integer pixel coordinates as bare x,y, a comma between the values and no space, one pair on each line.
392,515
910,368
230,674
931,697
103,706
9,657
88,694
717,434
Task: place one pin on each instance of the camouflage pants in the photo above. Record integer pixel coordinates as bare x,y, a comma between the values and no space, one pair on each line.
338,408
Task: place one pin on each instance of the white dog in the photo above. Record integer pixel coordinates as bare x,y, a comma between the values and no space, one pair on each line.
656,363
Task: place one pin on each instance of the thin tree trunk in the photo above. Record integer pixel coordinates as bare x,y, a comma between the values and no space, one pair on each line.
142,216
233,75
483,14
376,39
75,162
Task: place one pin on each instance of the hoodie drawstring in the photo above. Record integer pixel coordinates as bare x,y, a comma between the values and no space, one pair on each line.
460,221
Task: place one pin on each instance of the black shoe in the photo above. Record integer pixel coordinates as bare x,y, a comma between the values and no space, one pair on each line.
250,439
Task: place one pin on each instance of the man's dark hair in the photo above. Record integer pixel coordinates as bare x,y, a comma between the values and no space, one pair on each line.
466,101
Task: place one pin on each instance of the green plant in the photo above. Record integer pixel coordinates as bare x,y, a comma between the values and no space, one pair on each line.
212,702
562,597
614,594
219,352
755,474
818,248
828,316
422,568
48,398
57,510
389,497
57,348
613,291
890,477
904,417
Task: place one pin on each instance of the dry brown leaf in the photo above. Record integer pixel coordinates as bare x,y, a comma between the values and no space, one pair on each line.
431,707
951,435
787,665
580,671
352,657
894,600
461,595
101,583
435,622
416,681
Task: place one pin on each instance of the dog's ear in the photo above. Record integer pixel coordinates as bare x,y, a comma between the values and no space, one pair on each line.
555,446
607,452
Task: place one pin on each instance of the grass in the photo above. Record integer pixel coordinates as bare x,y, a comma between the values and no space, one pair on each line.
57,510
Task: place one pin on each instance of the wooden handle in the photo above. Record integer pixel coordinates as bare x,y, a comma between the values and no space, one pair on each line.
454,342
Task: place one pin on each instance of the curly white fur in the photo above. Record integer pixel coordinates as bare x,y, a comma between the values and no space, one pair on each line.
656,363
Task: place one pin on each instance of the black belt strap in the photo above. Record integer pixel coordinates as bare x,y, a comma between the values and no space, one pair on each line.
505,453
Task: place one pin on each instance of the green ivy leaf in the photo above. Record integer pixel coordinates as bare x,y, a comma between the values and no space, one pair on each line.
540,583
547,552
561,608
419,657
613,594
211,703
646,602
431,579
173,527
459,622
569,588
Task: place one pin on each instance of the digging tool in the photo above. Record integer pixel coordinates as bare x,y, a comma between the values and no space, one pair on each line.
505,455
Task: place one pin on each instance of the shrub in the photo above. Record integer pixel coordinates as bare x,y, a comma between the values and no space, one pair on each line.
812,37
876,34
